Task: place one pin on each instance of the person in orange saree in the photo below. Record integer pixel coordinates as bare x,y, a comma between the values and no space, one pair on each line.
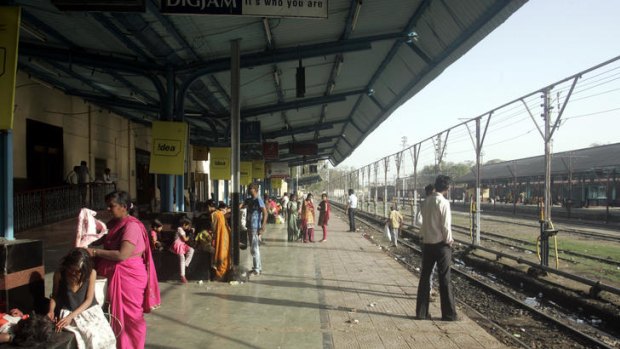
221,242
126,261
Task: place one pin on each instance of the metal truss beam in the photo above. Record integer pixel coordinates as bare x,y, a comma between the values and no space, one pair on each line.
357,127
27,49
323,156
302,129
291,54
318,141
304,103
122,37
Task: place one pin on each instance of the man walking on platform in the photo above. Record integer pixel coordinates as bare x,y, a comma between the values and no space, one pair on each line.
350,209
284,203
437,236
256,222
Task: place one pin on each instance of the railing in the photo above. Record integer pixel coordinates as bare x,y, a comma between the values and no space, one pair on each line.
39,207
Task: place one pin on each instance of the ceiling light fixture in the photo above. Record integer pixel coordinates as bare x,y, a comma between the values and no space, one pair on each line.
33,31
268,32
41,82
276,77
138,98
356,14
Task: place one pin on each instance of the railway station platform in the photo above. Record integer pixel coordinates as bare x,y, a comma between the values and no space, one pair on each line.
343,293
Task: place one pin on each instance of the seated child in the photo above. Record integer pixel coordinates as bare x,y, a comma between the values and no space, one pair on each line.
29,331
180,246
73,305
156,227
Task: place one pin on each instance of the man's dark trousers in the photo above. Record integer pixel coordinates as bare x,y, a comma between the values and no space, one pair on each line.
439,253
352,219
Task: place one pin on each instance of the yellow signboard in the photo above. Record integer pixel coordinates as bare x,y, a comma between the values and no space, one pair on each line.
169,144
258,169
220,164
9,37
245,172
276,183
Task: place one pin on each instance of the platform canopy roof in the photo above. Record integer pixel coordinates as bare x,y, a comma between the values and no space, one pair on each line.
361,63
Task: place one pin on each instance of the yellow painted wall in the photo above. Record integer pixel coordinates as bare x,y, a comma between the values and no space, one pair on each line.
111,137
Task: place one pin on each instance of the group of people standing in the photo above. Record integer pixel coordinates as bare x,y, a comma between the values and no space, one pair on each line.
125,257
301,219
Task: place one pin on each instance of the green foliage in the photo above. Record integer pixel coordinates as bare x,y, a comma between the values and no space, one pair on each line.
454,170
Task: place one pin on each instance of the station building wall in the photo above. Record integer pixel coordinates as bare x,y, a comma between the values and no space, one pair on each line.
88,133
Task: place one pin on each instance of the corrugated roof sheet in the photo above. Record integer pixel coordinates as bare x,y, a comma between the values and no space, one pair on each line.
605,158
387,65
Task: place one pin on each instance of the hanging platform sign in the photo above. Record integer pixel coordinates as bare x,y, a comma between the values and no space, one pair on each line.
304,148
200,153
220,163
169,144
245,172
276,183
9,36
271,151
258,169
250,132
259,8
278,170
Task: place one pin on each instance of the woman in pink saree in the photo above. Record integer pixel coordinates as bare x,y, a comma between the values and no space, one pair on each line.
127,263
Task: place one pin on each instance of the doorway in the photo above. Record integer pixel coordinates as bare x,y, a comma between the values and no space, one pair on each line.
44,155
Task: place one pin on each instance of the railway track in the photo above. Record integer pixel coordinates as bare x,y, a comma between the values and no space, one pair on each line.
566,226
497,238
561,224
498,303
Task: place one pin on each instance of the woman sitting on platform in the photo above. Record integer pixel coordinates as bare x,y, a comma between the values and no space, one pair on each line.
221,242
73,305
127,263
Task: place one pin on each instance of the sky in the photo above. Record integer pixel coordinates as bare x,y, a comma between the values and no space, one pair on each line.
543,42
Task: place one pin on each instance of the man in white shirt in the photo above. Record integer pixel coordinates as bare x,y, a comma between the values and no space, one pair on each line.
284,202
350,209
436,231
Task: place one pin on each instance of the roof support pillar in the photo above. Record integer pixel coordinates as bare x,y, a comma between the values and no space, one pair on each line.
166,182
235,140
6,184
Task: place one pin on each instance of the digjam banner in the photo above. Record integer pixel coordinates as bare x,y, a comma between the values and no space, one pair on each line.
9,36
259,8
169,144
220,163
245,173
258,169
